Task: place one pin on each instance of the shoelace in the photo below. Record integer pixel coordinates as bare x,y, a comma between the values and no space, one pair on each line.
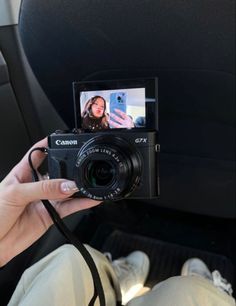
119,264
122,266
221,282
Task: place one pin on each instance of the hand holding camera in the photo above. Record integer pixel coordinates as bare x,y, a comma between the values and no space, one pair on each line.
23,218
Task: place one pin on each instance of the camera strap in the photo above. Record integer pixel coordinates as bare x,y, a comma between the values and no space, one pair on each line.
98,289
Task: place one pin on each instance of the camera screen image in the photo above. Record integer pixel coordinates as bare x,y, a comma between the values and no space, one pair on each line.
112,109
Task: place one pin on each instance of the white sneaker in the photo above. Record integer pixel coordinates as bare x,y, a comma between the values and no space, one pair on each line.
195,266
132,272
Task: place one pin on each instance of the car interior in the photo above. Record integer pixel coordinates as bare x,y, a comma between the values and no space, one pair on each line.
190,47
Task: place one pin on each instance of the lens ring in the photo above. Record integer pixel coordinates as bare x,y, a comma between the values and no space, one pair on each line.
82,175
127,163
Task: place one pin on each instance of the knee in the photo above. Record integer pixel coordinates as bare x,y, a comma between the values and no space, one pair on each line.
181,286
181,282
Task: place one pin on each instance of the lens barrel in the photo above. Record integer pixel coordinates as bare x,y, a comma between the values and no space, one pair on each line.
107,168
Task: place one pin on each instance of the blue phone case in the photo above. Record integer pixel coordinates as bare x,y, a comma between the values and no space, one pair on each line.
117,101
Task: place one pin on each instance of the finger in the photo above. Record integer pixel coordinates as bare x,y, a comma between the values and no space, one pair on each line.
122,114
117,118
114,125
69,207
23,194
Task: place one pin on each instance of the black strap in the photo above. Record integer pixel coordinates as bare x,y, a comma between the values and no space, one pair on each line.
98,289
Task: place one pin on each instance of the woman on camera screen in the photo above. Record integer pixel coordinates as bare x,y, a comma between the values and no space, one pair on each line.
94,116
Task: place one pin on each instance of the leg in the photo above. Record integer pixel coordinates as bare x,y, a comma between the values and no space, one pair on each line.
62,278
184,291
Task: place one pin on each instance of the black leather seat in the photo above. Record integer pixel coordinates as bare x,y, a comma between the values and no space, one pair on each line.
189,45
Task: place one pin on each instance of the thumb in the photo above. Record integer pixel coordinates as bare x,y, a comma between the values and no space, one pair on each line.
54,189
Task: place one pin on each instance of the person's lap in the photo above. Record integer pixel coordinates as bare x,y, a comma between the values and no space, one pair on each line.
63,278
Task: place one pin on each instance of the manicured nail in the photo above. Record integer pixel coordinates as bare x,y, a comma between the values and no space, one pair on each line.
68,187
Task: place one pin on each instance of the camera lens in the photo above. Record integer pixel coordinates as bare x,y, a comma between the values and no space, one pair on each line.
107,167
99,173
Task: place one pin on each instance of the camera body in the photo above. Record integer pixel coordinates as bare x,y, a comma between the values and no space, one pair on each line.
108,165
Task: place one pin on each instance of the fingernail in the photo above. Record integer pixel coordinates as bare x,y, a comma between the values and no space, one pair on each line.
68,187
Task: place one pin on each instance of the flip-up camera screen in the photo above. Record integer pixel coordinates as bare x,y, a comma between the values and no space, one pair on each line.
107,105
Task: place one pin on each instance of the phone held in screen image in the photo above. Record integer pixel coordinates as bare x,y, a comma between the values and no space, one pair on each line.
118,101
118,104
113,151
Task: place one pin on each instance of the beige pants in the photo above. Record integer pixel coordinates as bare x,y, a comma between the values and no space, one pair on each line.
63,279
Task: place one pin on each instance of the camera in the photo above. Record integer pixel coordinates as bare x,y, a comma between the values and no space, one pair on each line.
109,163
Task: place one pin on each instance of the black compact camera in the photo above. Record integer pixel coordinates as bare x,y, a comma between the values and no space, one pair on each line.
120,160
